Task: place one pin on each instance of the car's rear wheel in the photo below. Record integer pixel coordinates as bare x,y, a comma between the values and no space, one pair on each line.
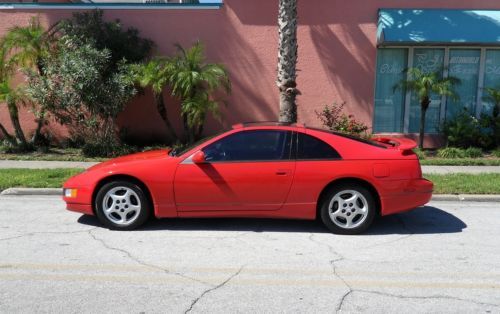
122,205
348,209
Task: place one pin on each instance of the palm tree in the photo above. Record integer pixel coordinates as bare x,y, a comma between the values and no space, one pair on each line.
424,85
11,97
287,60
194,81
26,47
153,74
493,97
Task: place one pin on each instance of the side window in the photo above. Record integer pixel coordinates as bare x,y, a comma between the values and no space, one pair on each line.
257,145
310,147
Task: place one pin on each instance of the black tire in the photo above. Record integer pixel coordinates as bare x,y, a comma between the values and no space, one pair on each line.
138,198
360,220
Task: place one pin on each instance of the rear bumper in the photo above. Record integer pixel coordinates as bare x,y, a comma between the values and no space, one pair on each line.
415,193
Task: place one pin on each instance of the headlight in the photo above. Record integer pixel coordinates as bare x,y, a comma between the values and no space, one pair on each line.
70,193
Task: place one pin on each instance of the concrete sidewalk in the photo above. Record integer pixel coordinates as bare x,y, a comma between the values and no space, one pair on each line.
77,164
460,169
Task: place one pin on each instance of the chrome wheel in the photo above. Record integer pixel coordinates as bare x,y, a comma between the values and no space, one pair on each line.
348,209
121,205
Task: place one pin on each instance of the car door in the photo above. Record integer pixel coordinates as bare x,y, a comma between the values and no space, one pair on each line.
246,170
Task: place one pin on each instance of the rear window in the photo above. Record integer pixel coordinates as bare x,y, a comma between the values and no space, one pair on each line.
310,147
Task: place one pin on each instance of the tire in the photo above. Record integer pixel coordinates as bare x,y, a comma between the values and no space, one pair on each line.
122,205
348,208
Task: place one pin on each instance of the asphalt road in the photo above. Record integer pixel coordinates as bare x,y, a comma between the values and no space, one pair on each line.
441,258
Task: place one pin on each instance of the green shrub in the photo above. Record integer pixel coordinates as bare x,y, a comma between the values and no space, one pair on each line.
496,152
465,130
451,152
106,148
85,83
473,152
420,153
333,118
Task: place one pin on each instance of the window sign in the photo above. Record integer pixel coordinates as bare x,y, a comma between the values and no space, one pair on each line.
464,65
491,76
427,60
389,103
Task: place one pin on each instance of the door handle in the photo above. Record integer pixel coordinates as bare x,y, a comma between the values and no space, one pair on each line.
283,172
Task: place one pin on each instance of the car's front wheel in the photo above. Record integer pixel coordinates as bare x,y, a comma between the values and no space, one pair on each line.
348,209
122,205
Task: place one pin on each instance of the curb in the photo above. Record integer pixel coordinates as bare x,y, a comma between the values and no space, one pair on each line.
32,191
466,198
435,198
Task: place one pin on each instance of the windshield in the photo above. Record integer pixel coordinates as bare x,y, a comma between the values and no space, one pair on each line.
180,149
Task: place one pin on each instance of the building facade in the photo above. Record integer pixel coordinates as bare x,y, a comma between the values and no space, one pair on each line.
349,51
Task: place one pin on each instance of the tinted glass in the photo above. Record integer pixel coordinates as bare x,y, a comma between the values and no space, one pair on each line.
310,147
259,145
426,60
389,103
464,65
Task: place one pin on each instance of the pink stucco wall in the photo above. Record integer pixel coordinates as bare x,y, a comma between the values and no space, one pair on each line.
337,52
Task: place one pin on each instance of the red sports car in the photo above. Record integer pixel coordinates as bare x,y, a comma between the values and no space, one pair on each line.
257,170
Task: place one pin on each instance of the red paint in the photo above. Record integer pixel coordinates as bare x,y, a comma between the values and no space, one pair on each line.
281,189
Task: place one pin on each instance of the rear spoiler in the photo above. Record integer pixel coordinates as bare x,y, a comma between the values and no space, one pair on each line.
402,144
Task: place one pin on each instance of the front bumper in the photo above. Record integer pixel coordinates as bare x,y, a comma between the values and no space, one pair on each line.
80,208
415,193
82,202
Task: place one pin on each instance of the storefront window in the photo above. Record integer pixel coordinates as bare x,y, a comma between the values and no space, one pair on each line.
491,76
464,65
474,67
389,104
427,60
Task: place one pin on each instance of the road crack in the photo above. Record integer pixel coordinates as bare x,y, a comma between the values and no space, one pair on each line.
31,234
222,284
442,297
337,258
141,262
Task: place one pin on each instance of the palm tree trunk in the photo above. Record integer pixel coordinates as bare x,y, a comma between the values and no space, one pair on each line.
188,132
7,136
14,118
424,105
38,131
287,60
199,130
162,110
41,117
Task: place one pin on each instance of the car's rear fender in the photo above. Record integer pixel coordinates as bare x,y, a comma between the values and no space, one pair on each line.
348,180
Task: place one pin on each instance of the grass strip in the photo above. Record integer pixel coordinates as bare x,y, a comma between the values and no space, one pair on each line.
457,183
35,178
460,162
464,183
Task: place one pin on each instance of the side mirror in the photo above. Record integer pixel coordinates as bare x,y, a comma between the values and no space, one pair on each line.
199,157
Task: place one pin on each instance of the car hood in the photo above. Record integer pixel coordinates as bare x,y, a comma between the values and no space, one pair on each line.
149,155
